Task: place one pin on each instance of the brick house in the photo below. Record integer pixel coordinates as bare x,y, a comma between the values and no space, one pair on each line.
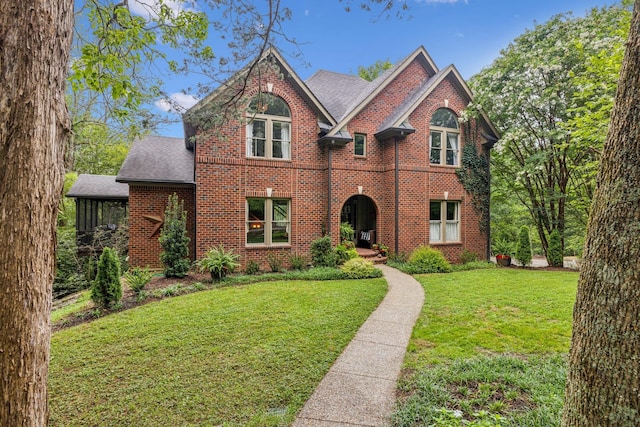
303,156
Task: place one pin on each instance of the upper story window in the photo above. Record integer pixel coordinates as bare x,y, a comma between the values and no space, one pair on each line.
444,139
360,144
269,128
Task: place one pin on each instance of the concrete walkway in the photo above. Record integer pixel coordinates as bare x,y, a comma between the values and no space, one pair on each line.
359,389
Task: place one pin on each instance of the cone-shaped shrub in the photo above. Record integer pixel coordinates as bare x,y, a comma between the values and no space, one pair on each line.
107,289
523,252
554,252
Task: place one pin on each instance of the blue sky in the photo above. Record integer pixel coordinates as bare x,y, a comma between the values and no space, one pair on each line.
466,33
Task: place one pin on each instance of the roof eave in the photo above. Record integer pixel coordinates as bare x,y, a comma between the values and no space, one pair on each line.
393,132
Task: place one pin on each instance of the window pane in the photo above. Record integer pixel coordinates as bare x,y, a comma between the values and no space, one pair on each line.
434,231
265,103
436,147
452,211
452,149
255,220
280,224
258,132
452,231
434,211
444,118
359,142
281,137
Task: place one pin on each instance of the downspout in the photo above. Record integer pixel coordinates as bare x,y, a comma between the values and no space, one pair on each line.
488,224
329,191
397,185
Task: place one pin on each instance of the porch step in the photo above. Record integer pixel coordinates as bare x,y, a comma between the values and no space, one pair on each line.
371,255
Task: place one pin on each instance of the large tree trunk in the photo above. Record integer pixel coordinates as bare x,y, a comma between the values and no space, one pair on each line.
35,39
603,386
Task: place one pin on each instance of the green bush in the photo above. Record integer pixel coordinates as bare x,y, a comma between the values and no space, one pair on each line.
504,247
322,254
344,254
70,267
554,252
523,251
474,265
360,268
275,261
346,232
174,240
218,262
107,289
297,261
252,267
466,256
138,278
425,259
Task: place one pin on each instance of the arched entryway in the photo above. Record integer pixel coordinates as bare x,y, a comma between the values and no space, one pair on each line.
360,211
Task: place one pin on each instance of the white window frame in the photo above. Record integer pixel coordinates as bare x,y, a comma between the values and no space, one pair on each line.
364,145
445,133
270,122
445,230
269,223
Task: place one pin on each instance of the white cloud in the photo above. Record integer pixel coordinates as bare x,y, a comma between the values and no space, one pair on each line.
177,103
150,8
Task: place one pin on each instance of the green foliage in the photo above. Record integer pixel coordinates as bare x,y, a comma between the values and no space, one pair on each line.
523,251
372,72
297,261
550,93
425,259
473,265
275,261
107,289
360,268
174,240
322,253
503,247
219,262
70,277
474,177
137,278
252,267
466,256
344,254
346,232
554,254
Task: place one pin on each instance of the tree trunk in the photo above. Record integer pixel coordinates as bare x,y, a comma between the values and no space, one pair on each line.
35,39
603,387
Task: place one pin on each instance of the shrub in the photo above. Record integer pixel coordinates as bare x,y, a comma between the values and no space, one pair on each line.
345,254
275,261
360,268
523,251
252,267
297,261
425,259
554,251
346,232
218,262
174,240
466,256
138,278
70,276
503,247
322,254
107,289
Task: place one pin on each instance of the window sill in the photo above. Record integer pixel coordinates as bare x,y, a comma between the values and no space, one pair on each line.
262,246
269,159
445,243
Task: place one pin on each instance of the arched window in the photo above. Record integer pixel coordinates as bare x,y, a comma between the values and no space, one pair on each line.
444,139
268,127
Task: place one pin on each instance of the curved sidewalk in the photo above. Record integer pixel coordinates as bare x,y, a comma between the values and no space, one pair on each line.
359,389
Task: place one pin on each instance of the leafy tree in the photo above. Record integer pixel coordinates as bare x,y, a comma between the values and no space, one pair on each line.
372,72
523,251
174,240
532,92
602,380
107,289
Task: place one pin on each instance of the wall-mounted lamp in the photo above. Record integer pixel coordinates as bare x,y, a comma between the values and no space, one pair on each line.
360,189
269,191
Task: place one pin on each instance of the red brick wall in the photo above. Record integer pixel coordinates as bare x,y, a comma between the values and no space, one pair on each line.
147,200
226,178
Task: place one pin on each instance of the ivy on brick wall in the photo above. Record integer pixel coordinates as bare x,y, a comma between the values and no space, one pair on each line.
474,177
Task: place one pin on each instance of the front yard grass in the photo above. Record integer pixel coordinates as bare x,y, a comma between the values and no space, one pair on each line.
489,349
249,355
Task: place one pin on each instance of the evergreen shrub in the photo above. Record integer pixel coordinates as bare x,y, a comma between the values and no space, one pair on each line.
425,259
554,252
524,254
107,289
174,240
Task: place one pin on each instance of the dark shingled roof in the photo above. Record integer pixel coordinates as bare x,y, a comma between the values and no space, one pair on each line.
336,91
98,187
158,159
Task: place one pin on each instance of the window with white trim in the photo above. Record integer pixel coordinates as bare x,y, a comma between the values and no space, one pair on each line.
360,144
444,139
268,222
444,221
269,128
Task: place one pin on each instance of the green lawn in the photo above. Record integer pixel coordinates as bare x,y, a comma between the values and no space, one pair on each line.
246,355
489,347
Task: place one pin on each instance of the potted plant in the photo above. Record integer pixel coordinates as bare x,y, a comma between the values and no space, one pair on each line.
504,250
384,249
218,262
374,247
